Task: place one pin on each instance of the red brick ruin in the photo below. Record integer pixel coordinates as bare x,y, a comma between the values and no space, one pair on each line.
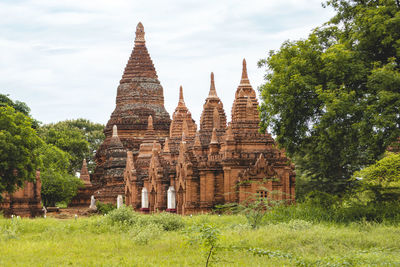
25,202
163,165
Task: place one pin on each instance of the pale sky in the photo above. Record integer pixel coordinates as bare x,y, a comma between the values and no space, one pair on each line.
65,58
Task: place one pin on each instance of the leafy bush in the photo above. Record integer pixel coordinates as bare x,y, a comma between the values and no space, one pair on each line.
322,199
168,221
380,182
124,215
142,235
105,208
344,212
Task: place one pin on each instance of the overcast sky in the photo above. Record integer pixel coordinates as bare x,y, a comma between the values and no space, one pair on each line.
65,58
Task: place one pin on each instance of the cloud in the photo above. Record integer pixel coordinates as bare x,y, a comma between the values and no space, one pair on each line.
65,58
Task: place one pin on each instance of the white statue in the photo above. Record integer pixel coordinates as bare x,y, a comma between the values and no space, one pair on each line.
92,203
120,201
145,199
171,200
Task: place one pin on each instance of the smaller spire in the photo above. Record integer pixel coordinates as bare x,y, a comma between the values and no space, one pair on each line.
197,142
213,92
245,78
229,134
214,139
166,146
150,123
216,119
130,166
115,131
139,34
185,128
84,174
181,100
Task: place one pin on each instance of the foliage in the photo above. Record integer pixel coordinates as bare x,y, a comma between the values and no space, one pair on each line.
332,100
58,187
207,236
341,212
254,207
18,155
381,181
126,216
168,221
291,243
105,208
80,138
53,158
19,107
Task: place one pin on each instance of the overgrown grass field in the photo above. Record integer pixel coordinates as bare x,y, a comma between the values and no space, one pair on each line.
124,238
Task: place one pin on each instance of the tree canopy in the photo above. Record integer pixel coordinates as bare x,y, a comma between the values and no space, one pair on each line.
80,138
18,149
333,99
380,182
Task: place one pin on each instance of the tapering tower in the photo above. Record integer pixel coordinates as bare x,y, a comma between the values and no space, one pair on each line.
244,109
213,115
139,95
182,122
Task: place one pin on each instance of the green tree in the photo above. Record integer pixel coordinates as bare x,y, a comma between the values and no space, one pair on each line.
54,158
57,184
18,149
380,182
58,187
333,99
19,107
80,138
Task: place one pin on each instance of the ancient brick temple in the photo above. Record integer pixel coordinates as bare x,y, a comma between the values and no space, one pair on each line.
84,193
25,202
160,164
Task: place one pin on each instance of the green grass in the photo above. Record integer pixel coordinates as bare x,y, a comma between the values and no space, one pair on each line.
171,241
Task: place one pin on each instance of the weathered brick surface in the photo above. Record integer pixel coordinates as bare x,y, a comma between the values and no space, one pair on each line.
216,165
220,163
25,202
139,95
82,198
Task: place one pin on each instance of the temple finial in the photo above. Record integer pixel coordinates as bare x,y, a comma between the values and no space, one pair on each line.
212,92
139,33
245,78
115,131
150,123
181,100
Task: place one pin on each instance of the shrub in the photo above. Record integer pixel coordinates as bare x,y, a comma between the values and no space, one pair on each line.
142,235
124,215
322,199
168,221
105,208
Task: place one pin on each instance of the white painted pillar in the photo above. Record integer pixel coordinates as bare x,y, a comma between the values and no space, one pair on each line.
145,198
171,198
